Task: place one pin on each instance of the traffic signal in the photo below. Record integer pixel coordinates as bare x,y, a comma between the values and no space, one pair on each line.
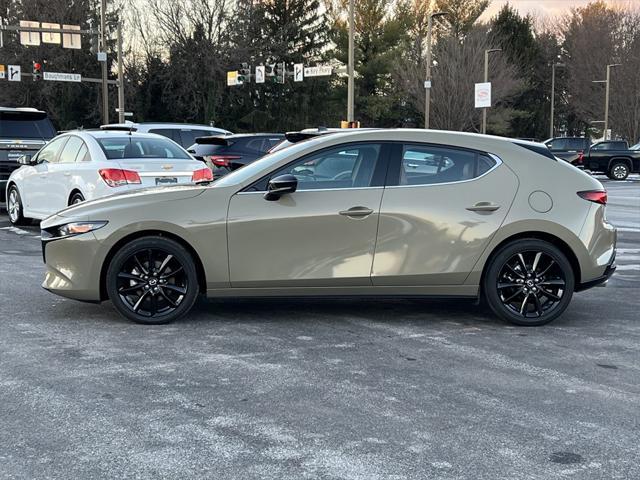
37,71
270,71
94,48
244,74
280,72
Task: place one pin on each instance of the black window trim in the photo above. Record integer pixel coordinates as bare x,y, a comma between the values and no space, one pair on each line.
69,137
395,162
378,179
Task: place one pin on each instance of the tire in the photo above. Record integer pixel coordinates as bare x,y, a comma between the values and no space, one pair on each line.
522,294
152,280
618,171
76,198
14,207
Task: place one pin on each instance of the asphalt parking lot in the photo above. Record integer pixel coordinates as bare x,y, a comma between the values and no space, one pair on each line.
331,389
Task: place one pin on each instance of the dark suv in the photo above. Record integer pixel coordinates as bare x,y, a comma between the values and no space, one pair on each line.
23,131
226,153
569,149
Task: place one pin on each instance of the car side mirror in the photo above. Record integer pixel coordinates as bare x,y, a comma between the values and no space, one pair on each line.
281,185
25,160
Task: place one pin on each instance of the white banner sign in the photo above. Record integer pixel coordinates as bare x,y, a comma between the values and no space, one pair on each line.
483,95
71,40
31,39
62,77
319,71
298,72
260,74
15,74
50,37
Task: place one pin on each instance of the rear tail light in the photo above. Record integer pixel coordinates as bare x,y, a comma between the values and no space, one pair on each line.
116,177
202,175
222,160
595,196
580,159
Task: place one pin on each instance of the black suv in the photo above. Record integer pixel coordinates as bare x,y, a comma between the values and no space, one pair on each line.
22,131
569,149
226,153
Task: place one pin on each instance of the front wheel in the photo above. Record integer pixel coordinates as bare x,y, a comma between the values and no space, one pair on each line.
618,171
15,208
152,280
529,282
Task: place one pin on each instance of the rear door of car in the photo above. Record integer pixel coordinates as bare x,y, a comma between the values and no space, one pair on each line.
63,174
440,208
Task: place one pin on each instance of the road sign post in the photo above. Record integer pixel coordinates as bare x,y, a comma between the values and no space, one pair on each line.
15,74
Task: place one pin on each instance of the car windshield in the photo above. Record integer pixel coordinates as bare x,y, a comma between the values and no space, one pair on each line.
130,146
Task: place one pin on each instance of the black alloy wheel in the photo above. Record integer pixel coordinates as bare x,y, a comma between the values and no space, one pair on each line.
152,280
529,282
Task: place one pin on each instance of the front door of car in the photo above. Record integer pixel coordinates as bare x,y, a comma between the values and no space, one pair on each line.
323,234
36,188
441,206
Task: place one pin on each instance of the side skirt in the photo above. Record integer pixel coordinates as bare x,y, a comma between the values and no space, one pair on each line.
442,291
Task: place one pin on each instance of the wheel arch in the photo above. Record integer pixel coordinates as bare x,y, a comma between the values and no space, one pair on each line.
202,281
626,160
74,190
537,235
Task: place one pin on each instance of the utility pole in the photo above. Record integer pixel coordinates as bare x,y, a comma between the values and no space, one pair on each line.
103,47
553,94
350,86
486,79
427,82
607,83
120,77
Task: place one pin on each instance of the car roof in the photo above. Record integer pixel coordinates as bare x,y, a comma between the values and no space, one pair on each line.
98,134
163,124
21,109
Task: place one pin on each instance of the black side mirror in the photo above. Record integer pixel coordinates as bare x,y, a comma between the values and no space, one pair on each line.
25,160
281,185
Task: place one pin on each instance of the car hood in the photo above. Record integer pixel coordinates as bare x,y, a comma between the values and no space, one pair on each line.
133,199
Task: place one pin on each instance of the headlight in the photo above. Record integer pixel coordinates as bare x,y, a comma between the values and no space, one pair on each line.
70,229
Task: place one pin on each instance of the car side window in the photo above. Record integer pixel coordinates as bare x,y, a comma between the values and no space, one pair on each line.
351,166
171,133
429,165
70,150
83,154
49,153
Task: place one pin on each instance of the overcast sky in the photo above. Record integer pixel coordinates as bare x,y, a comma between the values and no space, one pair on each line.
546,7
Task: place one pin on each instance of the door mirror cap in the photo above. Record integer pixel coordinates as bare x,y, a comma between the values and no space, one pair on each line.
281,185
25,160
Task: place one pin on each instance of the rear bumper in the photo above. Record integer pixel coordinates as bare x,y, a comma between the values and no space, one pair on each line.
602,280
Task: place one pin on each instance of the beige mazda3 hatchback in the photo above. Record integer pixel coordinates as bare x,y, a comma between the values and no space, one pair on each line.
379,212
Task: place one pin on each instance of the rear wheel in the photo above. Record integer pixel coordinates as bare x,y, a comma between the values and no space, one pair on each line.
529,282
76,198
618,171
152,280
14,207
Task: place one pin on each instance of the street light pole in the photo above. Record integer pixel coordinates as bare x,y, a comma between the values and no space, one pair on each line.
350,85
607,82
427,83
486,79
553,94
103,45
120,77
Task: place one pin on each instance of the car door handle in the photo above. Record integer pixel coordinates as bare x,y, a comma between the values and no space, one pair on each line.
357,212
484,207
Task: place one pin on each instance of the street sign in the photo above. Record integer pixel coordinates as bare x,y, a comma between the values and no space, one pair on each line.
298,72
50,37
260,74
71,40
62,77
3,73
318,71
102,56
31,39
232,78
483,95
427,84
14,73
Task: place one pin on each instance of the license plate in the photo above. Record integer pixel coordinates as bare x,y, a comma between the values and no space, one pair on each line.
166,180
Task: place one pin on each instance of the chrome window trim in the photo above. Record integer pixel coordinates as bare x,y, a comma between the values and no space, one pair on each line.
497,159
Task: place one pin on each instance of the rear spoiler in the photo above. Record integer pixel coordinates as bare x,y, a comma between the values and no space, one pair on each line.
295,137
214,140
118,128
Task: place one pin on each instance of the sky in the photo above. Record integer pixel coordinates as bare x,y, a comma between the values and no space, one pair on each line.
543,8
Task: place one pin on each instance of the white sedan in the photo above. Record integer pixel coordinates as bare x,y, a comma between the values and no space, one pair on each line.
84,165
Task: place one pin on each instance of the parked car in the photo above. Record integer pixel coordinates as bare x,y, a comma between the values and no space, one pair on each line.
569,149
184,134
85,165
613,158
226,153
22,131
346,214
298,136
